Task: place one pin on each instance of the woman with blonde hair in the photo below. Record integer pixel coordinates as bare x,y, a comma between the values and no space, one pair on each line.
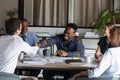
109,66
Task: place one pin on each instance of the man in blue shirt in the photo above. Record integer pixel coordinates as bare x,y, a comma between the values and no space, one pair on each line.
32,39
67,45
29,37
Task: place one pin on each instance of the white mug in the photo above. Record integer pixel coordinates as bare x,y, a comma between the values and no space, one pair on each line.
89,59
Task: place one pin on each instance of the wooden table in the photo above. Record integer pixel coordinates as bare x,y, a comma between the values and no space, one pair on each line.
58,65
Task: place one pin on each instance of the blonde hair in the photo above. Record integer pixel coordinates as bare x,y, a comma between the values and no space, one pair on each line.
115,36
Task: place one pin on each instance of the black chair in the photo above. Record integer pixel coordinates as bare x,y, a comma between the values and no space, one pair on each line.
8,76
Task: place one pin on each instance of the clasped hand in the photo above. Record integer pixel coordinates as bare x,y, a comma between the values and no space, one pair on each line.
62,53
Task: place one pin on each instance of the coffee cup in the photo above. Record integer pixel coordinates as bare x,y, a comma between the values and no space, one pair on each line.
89,59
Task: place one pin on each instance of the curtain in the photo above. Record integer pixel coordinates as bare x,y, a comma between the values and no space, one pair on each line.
50,12
87,11
58,13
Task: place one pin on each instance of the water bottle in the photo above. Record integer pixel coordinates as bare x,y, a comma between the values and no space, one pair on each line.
46,52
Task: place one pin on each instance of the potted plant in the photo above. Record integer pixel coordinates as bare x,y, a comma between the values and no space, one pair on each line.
12,13
105,16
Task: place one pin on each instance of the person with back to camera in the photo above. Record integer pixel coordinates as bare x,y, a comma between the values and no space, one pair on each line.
109,65
11,45
68,45
104,42
32,39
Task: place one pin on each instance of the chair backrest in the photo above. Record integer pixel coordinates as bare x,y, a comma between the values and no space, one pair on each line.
8,76
99,78
28,78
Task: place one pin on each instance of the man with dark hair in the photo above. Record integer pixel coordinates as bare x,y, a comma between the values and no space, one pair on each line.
11,45
28,36
12,27
72,25
67,45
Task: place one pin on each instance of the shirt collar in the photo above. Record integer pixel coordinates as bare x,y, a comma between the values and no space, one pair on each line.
25,34
73,39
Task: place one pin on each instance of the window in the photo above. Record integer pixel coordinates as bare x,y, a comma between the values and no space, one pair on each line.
50,12
60,12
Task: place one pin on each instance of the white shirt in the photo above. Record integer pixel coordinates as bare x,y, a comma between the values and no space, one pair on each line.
109,65
10,48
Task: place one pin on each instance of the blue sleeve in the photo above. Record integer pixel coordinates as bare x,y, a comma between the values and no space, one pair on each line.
81,48
49,42
35,38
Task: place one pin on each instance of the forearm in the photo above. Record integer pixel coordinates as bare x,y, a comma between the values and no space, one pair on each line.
97,53
30,50
73,54
81,74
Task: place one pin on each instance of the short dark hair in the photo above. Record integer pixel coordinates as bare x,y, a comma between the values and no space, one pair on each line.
11,25
23,19
72,25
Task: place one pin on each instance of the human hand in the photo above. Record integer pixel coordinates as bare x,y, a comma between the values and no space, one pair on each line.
98,60
83,73
39,45
75,76
59,52
21,56
62,53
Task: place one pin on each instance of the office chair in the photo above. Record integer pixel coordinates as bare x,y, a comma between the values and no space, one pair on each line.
8,76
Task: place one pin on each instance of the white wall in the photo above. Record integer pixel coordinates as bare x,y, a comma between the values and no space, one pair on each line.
6,5
53,31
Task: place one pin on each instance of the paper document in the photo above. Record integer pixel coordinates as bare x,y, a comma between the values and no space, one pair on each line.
34,62
44,60
57,59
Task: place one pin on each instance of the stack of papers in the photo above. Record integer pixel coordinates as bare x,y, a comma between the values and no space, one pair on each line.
35,60
58,59
44,60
